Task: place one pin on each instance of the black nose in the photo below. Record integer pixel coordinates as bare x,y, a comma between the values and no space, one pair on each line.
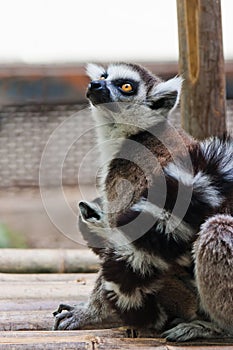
95,85
98,92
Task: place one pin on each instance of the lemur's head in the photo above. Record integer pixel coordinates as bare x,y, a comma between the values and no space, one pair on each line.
134,85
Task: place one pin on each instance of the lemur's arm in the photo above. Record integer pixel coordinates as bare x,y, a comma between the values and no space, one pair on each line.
95,313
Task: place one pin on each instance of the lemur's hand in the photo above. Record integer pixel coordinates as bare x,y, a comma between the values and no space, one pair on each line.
69,317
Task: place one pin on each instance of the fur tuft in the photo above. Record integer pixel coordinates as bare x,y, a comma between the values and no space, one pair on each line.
219,153
169,90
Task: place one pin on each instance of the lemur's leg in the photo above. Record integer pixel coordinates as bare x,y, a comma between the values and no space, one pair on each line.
110,307
138,310
213,255
96,312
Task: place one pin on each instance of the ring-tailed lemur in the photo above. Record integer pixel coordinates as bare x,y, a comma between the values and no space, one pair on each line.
213,252
145,279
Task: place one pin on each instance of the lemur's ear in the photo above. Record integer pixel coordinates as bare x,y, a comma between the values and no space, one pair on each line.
166,95
90,212
94,71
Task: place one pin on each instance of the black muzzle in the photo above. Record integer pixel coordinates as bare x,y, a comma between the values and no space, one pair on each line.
97,92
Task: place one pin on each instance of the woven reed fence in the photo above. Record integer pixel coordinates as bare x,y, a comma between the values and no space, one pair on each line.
25,130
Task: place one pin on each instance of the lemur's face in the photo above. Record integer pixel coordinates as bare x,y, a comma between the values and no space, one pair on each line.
119,83
131,83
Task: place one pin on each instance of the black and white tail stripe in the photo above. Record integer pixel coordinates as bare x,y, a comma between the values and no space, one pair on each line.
218,154
210,183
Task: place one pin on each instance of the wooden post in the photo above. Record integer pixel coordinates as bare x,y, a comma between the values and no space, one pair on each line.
202,67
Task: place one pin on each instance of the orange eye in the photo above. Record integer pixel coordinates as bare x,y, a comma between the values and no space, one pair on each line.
127,87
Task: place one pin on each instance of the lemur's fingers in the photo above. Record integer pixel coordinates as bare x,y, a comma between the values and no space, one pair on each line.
62,307
60,317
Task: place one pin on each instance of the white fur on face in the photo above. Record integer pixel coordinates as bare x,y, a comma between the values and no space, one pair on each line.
94,71
114,72
125,72
134,113
122,71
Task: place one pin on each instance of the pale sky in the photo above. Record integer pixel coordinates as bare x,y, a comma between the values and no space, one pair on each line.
40,31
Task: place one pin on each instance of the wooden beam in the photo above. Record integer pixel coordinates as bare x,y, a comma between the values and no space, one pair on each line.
92,340
97,339
48,260
202,67
27,302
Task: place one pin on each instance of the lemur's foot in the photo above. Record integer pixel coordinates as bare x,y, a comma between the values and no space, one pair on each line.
132,333
193,330
68,317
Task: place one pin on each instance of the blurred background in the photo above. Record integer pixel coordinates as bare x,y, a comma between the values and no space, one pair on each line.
45,46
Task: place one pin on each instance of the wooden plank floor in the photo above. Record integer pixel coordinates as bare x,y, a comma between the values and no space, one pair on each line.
28,300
